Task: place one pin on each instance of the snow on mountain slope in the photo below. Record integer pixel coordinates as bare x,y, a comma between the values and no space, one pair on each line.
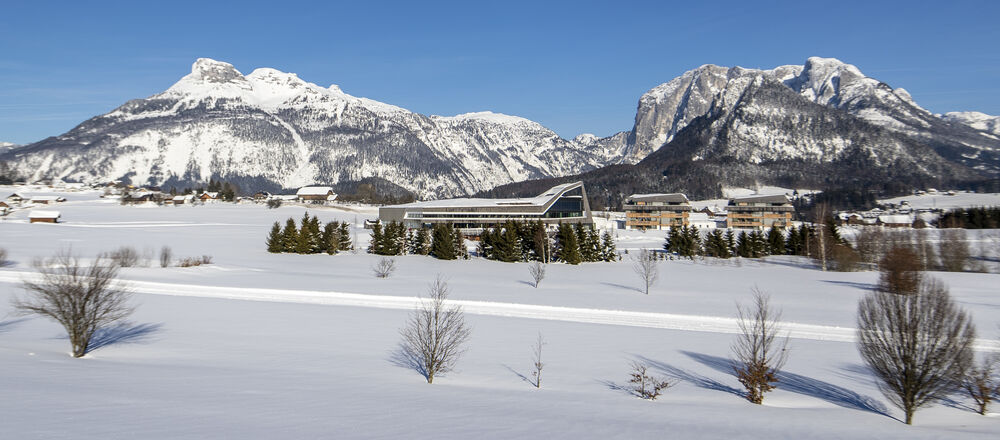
271,128
977,120
668,108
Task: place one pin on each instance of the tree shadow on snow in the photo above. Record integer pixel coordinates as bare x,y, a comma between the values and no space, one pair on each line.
688,376
807,386
124,333
863,286
401,357
622,286
6,325
518,374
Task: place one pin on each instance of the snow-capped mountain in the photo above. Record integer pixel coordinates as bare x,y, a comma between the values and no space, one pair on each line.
977,120
822,125
666,109
272,129
7,146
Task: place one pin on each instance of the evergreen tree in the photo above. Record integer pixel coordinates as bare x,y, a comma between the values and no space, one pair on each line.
289,236
569,250
833,231
731,241
443,242
274,239
775,241
377,240
487,240
715,244
608,252
344,237
305,240
422,242
507,245
743,246
330,238
317,244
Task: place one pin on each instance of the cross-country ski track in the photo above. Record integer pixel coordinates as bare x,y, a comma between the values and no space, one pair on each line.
669,321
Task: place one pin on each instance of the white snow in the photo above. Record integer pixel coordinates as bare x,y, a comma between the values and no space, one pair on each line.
945,201
258,345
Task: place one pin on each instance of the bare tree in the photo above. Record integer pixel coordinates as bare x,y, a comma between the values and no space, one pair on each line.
645,266
384,267
3,257
900,271
536,351
82,299
759,351
166,255
435,334
644,385
820,213
919,346
125,256
982,382
537,271
953,249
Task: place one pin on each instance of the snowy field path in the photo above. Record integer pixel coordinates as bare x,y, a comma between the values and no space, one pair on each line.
711,324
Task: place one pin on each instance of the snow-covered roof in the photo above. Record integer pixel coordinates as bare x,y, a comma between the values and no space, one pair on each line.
43,214
662,198
314,191
180,198
895,219
213,195
699,217
47,198
539,200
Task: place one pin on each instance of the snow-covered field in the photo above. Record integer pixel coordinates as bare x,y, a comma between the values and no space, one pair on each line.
259,345
944,201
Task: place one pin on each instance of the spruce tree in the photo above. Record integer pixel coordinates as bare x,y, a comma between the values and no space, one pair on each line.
506,246
569,250
731,241
376,242
716,246
743,245
775,241
344,237
608,251
289,236
443,242
274,239
330,238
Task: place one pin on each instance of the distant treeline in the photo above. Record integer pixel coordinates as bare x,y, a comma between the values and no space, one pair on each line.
971,218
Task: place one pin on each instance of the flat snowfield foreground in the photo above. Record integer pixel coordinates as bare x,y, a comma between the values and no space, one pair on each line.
258,345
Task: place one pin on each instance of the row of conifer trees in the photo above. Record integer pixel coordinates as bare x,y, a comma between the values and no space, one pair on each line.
443,241
530,241
309,237
687,241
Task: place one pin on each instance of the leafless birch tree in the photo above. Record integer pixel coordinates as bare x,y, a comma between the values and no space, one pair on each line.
384,267
436,332
645,266
919,345
537,361
537,271
759,350
82,299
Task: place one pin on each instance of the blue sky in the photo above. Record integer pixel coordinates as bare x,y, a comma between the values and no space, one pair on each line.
573,66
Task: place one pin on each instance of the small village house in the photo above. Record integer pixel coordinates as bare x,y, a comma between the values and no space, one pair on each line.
316,194
39,216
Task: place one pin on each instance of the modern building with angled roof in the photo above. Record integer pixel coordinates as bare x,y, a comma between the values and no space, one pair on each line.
566,203
656,211
760,212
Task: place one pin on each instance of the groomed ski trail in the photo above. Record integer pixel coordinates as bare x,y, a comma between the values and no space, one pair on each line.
669,321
